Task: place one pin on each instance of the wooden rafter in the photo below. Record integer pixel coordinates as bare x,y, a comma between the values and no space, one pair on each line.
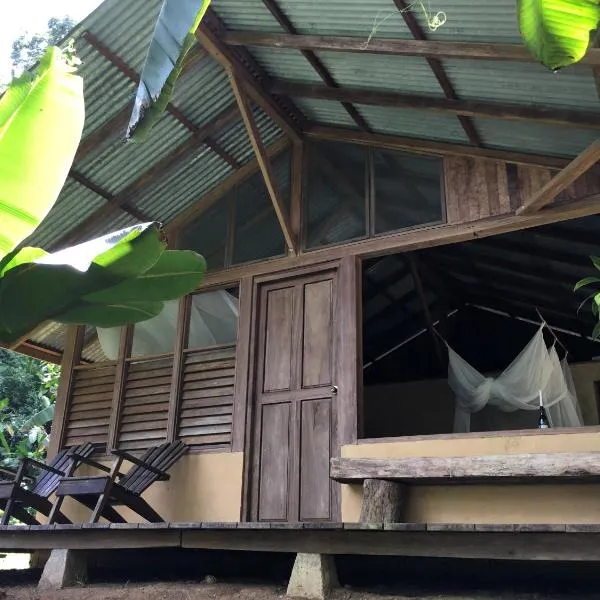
264,163
414,270
206,201
469,108
393,142
111,198
394,47
315,62
133,76
438,70
257,93
123,200
575,169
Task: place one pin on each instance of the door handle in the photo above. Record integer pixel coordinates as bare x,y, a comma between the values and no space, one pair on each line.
334,389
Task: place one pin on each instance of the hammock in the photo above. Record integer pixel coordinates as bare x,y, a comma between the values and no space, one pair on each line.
536,369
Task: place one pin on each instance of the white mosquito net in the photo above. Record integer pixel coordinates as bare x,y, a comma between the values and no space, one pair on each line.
536,369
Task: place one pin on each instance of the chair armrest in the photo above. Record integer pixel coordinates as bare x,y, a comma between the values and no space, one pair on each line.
93,463
163,475
43,466
7,471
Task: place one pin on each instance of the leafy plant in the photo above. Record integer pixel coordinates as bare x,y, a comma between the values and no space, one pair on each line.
557,32
594,297
120,278
172,39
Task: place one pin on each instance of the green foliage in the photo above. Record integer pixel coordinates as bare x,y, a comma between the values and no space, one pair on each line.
594,297
41,120
121,278
557,32
172,39
28,388
28,49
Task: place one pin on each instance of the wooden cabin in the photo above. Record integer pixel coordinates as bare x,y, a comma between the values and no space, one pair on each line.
361,196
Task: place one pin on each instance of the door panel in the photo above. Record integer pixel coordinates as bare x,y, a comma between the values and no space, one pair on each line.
318,332
315,435
274,462
278,339
294,428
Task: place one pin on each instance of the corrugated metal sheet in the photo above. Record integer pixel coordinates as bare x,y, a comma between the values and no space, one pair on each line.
324,111
116,169
185,185
529,83
251,15
74,205
414,123
286,64
370,71
234,138
534,138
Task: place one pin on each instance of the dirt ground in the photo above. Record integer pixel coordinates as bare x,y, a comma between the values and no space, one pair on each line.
204,591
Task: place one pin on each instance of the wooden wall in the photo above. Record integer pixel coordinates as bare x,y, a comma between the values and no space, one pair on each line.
200,403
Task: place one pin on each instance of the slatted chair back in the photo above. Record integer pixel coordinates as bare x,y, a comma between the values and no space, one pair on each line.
162,457
47,482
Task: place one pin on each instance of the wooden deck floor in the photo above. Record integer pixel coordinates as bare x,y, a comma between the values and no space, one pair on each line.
519,542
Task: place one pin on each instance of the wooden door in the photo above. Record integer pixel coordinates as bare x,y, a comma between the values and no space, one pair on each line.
295,420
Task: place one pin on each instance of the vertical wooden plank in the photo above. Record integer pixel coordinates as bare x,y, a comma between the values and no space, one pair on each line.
278,342
529,181
71,357
183,323
349,348
315,493
274,462
318,331
296,192
243,368
125,342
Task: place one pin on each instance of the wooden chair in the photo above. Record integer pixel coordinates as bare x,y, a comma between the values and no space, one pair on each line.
16,498
102,493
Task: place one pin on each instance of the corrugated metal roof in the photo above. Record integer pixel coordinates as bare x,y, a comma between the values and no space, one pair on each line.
251,15
533,137
408,74
414,123
286,64
529,83
324,111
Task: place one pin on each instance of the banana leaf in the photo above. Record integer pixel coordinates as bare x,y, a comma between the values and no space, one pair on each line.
41,121
557,32
172,39
39,419
120,278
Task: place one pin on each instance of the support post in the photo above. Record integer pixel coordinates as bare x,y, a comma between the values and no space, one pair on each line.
314,576
383,501
64,568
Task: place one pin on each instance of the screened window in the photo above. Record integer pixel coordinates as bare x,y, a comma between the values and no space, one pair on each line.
242,225
335,193
213,318
407,190
352,192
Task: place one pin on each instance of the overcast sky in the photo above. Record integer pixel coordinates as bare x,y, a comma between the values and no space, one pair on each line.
21,16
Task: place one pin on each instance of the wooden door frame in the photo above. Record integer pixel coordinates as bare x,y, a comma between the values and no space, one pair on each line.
349,344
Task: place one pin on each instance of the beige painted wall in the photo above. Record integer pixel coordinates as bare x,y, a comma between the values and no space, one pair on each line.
566,503
390,410
203,487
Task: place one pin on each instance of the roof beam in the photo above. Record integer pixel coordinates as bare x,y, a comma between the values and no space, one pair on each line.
392,142
575,169
133,76
438,70
257,93
394,47
315,62
264,163
470,108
